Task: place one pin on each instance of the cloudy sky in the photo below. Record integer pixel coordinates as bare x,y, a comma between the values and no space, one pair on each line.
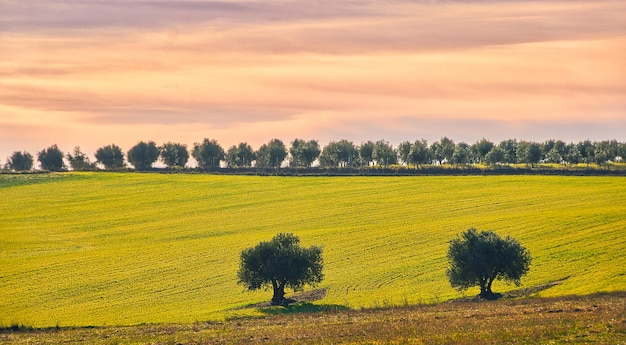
95,72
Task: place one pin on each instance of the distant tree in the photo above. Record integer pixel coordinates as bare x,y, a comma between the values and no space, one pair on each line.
384,154
51,159
208,154
280,263
528,152
20,161
366,151
561,147
477,259
231,158
241,155
404,150
553,151
271,154
509,147
143,155
605,151
110,156
613,149
586,149
495,156
339,154
79,161
461,154
546,146
420,153
304,153
481,148
573,155
554,156
621,151
601,153
443,150
174,154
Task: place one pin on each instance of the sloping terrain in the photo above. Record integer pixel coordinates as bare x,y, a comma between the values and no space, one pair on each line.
79,249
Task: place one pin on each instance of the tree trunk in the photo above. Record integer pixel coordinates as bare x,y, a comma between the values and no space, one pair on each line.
279,293
485,287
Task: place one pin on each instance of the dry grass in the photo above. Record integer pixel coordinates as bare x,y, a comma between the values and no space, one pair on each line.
594,319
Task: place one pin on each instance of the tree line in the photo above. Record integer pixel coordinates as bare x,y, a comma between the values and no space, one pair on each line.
210,155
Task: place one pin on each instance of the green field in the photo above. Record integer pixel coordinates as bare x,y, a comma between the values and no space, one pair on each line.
128,248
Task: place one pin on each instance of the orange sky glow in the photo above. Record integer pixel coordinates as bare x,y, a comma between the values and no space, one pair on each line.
91,73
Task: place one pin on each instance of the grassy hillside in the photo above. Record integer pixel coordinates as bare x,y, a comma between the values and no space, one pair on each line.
119,249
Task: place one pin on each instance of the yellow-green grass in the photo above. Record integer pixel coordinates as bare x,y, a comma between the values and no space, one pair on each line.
127,248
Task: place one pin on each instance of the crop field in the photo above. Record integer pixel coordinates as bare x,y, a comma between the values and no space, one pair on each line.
80,249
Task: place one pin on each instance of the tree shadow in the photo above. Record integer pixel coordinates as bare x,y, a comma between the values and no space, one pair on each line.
302,308
518,293
491,297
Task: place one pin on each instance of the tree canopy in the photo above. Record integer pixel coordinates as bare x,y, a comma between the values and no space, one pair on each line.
79,160
280,263
111,156
51,158
143,155
239,156
174,154
366,151
479,258
339,154
20,161
271,154
384,154
208,153
304,153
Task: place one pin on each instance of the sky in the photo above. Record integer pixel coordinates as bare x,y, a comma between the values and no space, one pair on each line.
91,73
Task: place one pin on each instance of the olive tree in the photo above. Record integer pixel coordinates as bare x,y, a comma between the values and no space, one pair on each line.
443,150
271,154
420,153
174,154
208,154
495,156
79,160
404,150
528,152
366,152
304,153
479,258
384,154
241,155
111,156
342,153
20,161
481,148
280,263
461,154
51,158
509,147
143,155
